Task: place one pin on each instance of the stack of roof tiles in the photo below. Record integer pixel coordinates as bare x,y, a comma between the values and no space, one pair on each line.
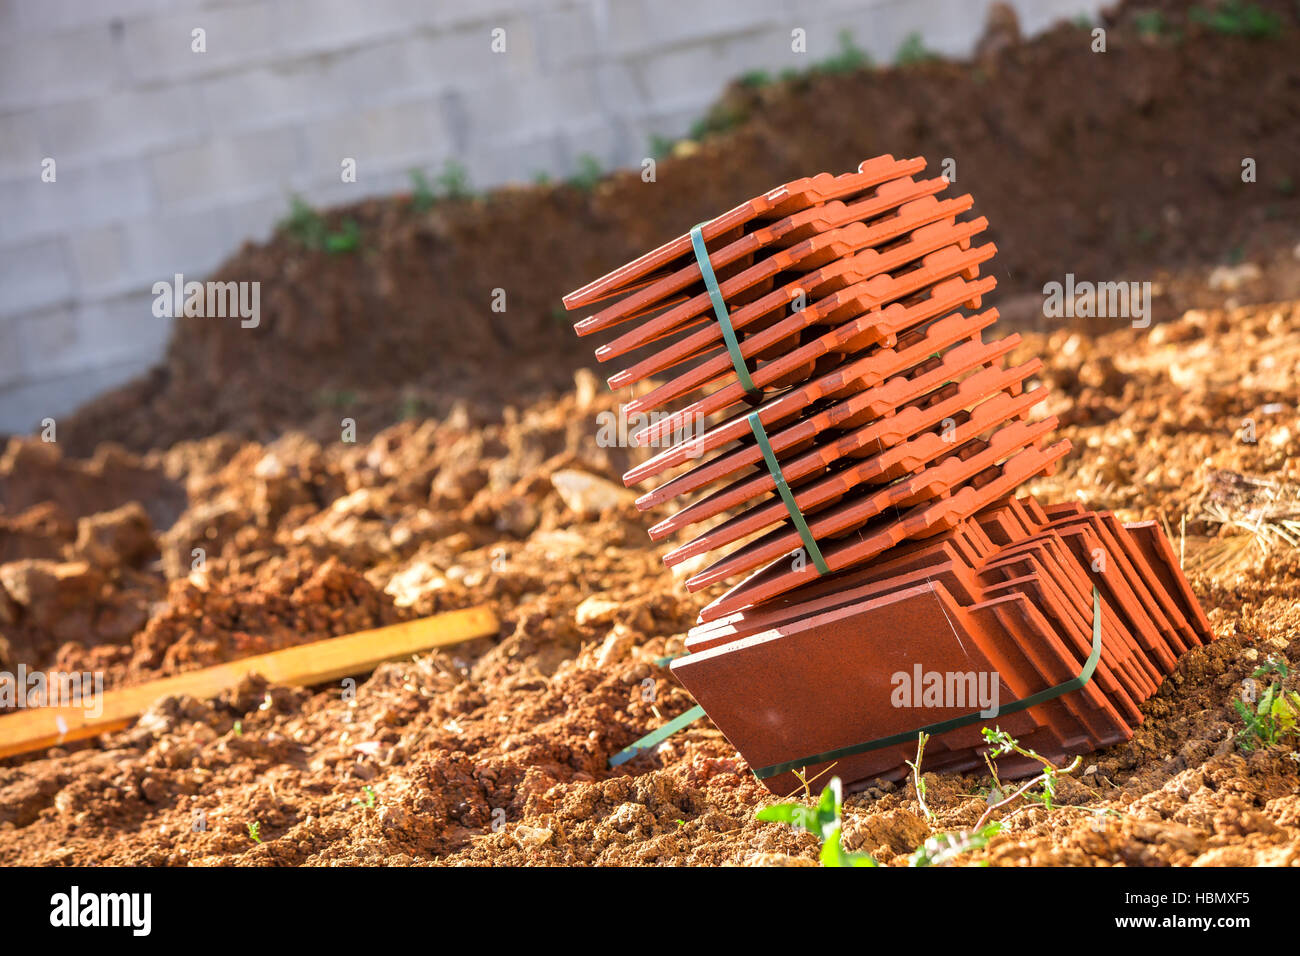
860,449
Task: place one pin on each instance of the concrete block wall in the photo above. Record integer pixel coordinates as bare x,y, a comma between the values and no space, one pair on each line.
166,158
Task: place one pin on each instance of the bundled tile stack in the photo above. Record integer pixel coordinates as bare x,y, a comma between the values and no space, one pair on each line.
854,445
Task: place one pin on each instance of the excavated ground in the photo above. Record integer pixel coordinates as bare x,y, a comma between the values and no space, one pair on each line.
238,522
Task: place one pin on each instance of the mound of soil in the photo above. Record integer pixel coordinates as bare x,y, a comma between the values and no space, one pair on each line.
1111,166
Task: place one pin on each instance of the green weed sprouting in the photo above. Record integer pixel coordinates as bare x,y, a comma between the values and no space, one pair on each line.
422,195
307,226
1239,19
1149,23
348,239
454,181
848,59
589,173
660,146
255,831
369,801
823,821
939,849
1275,716
451,183
943,848
913,51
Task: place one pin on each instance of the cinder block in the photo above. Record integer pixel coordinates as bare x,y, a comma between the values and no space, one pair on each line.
46,337
682,78
618,90
100,263
310,26
403,132
190,242
12,367
39,70
595,138
238,165
568,36
81,197
490,12
34,275
160,47
117,331
254,219
463,58
288,92
23,406
656,25
370,75
50,16
21,144
509,111
518,161
96,334
124,124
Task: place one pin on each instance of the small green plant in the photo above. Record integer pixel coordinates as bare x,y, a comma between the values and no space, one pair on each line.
940,849
589,173
303,223
239,728
369,801
255,831
1239,18
348,239
660,146
1002,743
1149,23
307,226
1275,716
913,51
755,79
918,781
849,58
454,181
943,848
451,183
823,821
422,195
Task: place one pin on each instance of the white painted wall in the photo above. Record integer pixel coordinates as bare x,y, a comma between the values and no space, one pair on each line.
167,159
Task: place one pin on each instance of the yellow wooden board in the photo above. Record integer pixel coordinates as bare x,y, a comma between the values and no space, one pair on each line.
316,663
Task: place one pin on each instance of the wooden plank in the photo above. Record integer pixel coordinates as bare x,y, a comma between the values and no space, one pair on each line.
315,663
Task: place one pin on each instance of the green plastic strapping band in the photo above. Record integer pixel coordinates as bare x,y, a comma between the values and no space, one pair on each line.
774,466
720,308
656,737
1024,703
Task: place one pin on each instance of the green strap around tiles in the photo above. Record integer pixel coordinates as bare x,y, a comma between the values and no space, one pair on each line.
796,516
720,308
1024,703
657,736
